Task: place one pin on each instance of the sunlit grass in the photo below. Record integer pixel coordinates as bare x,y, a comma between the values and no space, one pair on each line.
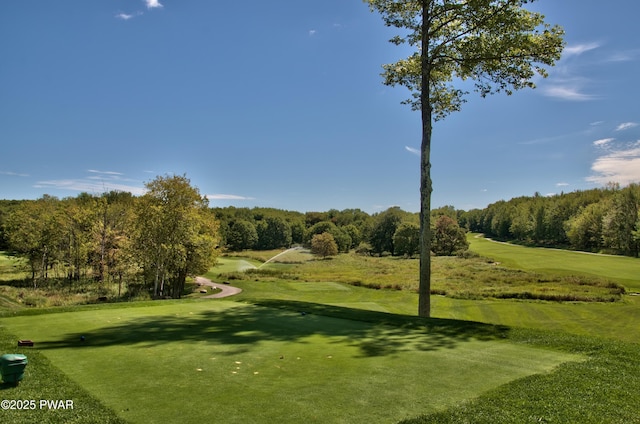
271,363
621,269
465,278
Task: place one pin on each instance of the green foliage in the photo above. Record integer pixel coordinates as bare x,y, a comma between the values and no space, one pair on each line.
499,45
448,237
324,245
176,234
341,237
273,233
242,235
593,220
384,227
406,239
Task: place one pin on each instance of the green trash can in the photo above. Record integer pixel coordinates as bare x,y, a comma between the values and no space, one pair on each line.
12,367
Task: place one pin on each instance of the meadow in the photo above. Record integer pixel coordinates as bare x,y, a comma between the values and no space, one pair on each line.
331,341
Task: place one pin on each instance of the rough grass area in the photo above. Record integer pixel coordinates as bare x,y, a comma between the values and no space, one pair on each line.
456,277
224,362
12,268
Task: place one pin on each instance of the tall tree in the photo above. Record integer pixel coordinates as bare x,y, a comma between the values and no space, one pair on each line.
176,234
496,43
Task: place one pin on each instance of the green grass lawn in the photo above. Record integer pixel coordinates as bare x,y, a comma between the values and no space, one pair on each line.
622,269
227,362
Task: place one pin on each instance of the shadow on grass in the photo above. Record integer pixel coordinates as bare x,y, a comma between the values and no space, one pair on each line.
238,328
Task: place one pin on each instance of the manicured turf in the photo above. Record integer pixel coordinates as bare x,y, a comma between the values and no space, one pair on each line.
227,362
622,269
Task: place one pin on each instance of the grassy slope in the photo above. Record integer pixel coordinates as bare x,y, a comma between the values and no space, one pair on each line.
621,269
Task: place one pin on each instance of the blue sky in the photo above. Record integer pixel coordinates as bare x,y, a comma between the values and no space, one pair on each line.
280,104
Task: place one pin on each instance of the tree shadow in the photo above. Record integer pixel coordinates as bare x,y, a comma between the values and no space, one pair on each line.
238,328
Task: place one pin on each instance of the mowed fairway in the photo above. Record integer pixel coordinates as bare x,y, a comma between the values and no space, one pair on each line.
227,362
621,269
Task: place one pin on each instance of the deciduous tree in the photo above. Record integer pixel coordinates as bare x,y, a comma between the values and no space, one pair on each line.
176,234
406,239
498,44
324,245
448,237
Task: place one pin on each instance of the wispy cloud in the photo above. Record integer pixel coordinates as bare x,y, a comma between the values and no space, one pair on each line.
152,4
571,91
13,174
603,142
562,184
621,165
564,83
227,197
111,173
88,186
95,182
312,32
626,126
578,49
624,56
412,150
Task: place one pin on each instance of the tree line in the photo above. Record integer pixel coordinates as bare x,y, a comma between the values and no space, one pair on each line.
152,242
391,232
603,220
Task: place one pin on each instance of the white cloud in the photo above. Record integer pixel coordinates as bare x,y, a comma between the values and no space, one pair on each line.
124,16
619,166
567,92
562,184
626,126
412,150
152,4
603,142
95,182
312,32
13,174
578,49
88,186
227,197
93,171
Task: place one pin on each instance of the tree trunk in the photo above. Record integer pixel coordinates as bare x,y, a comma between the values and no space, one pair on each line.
424,289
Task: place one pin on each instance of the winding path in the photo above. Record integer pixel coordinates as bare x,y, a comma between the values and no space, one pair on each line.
226,290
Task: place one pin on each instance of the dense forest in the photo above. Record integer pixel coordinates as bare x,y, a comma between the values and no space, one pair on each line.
154,241
600,220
